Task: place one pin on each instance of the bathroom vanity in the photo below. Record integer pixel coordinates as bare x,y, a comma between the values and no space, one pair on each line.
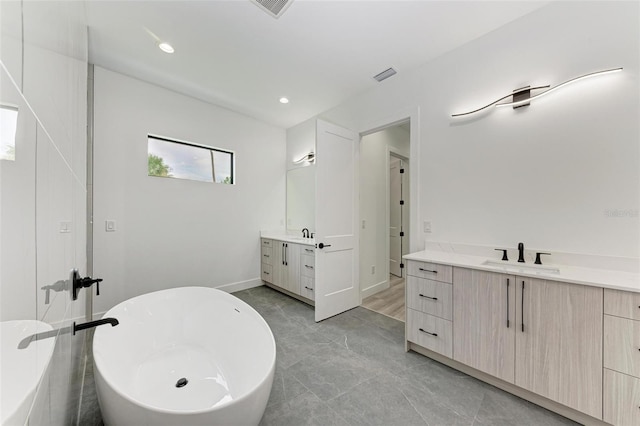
288,265
565,338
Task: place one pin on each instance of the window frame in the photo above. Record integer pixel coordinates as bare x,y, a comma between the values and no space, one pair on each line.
197,145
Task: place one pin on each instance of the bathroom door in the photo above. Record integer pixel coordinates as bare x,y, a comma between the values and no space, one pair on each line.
336,286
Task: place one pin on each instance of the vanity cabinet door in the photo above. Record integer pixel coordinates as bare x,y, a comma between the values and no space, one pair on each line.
292,260
484,325
559,342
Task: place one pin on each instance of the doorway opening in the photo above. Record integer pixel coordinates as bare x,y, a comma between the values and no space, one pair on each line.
384,218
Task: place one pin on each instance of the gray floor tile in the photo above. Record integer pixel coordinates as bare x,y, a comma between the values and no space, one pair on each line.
333,370
293,348
305,409
502,408
380,400
285,387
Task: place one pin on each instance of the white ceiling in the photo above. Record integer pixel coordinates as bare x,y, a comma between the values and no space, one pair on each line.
318,53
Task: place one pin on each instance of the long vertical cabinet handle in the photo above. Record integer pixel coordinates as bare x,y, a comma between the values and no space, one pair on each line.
522,307
286,249
283,255
507,302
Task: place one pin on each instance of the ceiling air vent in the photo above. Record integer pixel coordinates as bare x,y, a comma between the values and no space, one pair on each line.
274,8
385,74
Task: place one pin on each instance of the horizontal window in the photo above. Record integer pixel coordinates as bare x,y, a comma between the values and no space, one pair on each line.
8,125
182,160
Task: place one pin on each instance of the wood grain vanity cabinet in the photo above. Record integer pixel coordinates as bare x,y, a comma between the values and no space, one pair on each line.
289,266
621,358
307,272
429,306
540,339
484,326
559,342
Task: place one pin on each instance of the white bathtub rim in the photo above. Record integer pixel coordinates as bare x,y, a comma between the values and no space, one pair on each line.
268,376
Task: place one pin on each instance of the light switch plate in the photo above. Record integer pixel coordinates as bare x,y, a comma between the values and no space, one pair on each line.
427,227
110,225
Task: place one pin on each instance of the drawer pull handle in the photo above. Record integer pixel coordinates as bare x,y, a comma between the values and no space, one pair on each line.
265,255
427,297
308,250
431,334
428,270
307,266
308,288
266,273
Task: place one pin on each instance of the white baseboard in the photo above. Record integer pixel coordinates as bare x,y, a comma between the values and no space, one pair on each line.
241,285
376,288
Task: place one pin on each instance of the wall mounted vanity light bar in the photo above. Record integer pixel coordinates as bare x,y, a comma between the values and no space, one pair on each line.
522,97
310,158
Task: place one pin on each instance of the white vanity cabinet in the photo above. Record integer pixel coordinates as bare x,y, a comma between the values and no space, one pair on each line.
289,267
621,357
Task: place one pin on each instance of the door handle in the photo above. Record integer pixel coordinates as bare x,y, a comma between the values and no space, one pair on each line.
322,245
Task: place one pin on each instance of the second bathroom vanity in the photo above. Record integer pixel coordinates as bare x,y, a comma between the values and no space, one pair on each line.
288,265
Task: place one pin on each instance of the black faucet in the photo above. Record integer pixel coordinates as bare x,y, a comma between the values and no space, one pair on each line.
79,283
91,324
305,233
521,252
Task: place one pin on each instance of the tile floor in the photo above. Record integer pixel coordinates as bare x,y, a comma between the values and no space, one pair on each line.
352,370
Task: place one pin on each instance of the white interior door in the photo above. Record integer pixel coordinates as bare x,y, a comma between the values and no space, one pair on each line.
395,216
336,211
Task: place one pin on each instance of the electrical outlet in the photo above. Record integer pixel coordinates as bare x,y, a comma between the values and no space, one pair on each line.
363,223
373,269
427,227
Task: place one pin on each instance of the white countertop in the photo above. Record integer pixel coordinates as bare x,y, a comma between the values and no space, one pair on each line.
617,280
288,238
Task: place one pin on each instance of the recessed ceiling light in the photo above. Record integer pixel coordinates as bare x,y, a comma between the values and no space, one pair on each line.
284,100
166,47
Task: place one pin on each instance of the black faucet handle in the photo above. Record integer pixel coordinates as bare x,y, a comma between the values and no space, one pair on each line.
504,254
538,262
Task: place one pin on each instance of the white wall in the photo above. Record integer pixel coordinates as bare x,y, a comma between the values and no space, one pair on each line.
374,193
173,232
547,174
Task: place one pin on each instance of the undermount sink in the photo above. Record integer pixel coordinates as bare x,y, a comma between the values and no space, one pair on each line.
521,267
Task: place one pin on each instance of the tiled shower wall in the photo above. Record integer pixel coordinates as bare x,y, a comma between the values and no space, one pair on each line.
43,51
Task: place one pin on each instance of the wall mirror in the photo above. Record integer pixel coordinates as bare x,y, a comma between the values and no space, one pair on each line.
301,198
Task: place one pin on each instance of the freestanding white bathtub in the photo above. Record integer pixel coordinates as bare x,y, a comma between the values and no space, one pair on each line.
184,356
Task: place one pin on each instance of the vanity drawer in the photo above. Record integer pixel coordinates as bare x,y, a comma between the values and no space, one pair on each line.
430,297
307,288
622,304
622,345
621,400
266,242
267,273
308,266
308,250
433,271
267,255
430,332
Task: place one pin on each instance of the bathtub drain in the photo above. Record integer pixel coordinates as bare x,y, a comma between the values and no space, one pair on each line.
182,382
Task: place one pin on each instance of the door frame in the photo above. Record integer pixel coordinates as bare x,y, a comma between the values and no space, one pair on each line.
411,114
392,152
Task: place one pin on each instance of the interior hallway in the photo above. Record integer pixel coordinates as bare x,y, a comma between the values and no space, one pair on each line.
389,302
